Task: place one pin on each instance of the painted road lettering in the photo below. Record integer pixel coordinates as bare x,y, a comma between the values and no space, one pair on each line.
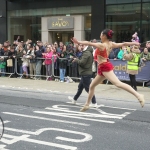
57,111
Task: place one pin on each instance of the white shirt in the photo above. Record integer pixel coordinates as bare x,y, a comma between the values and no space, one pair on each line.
85,48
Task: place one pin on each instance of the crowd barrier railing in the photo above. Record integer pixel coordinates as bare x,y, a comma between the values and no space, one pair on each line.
40,70
34,68
71,69
7,66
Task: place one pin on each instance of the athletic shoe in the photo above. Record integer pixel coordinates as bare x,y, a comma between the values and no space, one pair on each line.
72,100
93,105
61,81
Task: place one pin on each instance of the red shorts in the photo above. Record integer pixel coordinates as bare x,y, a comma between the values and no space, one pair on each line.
104,67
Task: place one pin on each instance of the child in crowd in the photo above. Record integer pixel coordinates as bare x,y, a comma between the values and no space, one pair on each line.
25,63
135,37
2,67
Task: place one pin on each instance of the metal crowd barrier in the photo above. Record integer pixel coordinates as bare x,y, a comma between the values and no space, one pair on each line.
34,68
7,66
71,72
38,70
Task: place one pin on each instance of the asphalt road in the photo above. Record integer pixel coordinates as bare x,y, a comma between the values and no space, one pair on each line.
47,121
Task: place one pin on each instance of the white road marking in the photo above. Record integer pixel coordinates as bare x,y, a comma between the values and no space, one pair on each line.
43,118
2,147
99,110
6,121
88,137
67,116
14,140
106,115
26,139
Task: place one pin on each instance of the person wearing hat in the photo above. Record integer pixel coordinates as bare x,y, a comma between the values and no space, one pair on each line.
133,58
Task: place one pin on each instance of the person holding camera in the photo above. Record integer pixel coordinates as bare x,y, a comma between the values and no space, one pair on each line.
144,57
85,71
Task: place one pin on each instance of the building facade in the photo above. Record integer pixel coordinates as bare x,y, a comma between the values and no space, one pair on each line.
59,20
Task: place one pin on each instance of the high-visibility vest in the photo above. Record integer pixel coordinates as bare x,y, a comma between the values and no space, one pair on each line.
133,64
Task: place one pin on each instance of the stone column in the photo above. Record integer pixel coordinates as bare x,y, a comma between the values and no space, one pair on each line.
45,34
3,21
79,27
97,18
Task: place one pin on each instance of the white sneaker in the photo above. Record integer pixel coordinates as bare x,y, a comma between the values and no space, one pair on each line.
61,81
72,100
93,105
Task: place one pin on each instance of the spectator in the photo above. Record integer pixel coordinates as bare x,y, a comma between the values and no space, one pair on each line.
32,61
62,66
5,47
2,66
1,50
19,56
25,63
135,37
121,52
61,46
48,62
41,47
72,65
148,45
78,51
2,59
69,46
114,53
38,56
11,56
132,64
145,56
56,62
58,51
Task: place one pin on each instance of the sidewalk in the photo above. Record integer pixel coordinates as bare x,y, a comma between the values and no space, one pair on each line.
102,90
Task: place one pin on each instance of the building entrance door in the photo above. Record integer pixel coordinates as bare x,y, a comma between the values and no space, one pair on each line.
62,36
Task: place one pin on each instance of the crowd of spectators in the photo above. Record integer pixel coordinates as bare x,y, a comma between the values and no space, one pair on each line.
34,60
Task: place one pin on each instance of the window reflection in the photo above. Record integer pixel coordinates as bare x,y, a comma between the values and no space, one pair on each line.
125,19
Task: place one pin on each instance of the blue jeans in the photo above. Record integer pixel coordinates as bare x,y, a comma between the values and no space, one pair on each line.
84,84
38,68
62,74
20,70
3,70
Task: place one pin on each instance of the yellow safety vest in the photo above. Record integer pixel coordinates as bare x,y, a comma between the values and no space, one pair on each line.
133,64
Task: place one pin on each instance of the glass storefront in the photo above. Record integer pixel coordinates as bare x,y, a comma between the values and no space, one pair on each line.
27,23
124,17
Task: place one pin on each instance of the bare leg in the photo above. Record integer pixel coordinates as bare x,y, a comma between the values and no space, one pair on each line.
97,80
115,81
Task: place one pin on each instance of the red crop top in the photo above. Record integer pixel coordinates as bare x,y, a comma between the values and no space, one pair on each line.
102,53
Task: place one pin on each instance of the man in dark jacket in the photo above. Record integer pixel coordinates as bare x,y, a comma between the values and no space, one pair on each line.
85,71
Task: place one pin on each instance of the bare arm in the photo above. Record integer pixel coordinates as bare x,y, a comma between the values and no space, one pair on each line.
97,45
118,45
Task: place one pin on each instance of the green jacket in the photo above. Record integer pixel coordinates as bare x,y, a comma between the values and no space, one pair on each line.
85,62
134,63
2,64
